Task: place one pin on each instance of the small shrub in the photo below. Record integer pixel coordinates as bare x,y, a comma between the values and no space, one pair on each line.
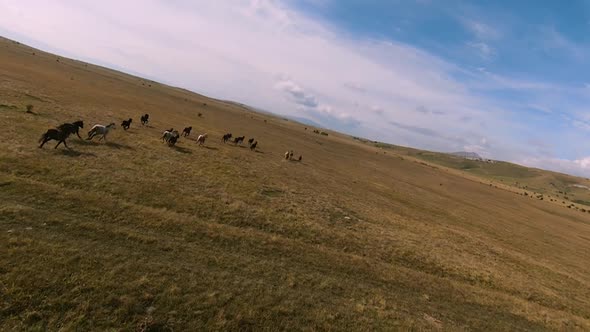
29,108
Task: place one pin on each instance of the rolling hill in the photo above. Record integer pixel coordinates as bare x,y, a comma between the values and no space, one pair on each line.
133,234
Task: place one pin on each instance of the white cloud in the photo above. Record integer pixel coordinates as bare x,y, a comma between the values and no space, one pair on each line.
579,167
481,30
482,49
581,125
295,93
552,39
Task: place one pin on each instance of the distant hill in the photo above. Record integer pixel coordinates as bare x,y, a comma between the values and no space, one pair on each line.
305,121
563,187
468,155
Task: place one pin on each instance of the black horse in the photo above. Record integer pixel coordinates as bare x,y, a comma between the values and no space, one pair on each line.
187,131
61,133
126,124
239,139
144,119
253,146
172,140
226,137
73,128
250,141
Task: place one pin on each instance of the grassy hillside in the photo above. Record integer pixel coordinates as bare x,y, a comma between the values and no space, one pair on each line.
133,234
560,187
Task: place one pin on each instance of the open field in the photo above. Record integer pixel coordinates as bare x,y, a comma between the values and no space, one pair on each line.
133,234
562,189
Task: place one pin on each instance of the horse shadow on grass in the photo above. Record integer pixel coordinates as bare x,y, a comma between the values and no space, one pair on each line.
181,149
74,153
85,142
100,143
118,146
210,147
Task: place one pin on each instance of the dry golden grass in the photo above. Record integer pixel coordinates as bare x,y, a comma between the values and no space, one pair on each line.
132,234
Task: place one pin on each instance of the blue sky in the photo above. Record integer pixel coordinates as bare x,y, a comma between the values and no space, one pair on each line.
506,79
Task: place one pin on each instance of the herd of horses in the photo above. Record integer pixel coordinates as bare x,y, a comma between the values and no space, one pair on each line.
170,136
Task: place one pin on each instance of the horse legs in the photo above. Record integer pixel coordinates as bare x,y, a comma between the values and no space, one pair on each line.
58,143
45,140
61,141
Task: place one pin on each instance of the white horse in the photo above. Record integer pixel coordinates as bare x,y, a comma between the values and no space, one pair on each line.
100,130
168,134
201,139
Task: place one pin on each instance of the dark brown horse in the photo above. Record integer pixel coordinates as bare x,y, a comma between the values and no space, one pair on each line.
144,119
126,124
61,133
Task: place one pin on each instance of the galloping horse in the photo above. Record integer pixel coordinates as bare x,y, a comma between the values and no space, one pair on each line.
126,124
239,139
226,137
201,139
169,134
253,146
100,130
61,133
144,119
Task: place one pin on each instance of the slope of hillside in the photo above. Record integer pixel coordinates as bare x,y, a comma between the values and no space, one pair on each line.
133,234
566,189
